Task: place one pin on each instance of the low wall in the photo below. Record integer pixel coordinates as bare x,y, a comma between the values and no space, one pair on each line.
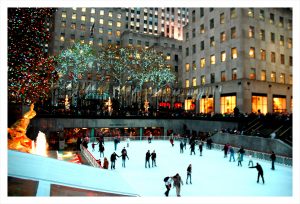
266,145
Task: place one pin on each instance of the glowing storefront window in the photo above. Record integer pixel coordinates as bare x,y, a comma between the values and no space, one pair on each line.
206,105
228,103
279,104
259,103
189,104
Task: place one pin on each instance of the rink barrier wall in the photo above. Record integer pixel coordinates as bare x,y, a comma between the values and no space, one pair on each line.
89,157
286,161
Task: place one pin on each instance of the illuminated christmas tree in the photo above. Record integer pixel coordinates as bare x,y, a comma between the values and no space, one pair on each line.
30,72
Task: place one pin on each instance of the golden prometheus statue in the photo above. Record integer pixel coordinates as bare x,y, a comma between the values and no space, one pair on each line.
18,139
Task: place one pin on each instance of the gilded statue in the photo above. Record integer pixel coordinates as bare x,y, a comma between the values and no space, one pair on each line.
18,139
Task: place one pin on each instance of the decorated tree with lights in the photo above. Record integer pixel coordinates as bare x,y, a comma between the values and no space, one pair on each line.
72,64
30,72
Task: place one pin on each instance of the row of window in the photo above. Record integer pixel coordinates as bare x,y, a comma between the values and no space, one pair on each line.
251,14
234,55
92,11
252,75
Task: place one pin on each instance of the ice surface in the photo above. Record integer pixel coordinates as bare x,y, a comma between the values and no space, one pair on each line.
212,174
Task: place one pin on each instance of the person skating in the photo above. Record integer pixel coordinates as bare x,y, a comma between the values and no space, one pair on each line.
101,149
93,146
260,172
116,141
201,147
150,138
153,158
189,174
172,141
231,150
177,182
239,159
128,141
242,152
273,158
192,147
124,155
181,147
209,143
113,159
250,160
148,155
168,183
105,163
225,149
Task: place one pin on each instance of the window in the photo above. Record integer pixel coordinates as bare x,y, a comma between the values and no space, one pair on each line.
222,37
233,13
212,78
282,78
262,35
168,57
291,79
273,77
259,104
272,36
202,62
222,18
73,26
201,12
62,37
202,30
91,41
261,15
202,45
212,59
290,60
194,49
187,67
282,61
93,10
83,10
64,14
82,27
187,51
279,104
290,24
119,24
92,19
110,14
207,105
72,39
211,24
202,80
262,55
194,32
281,40
100,30
233,33
212,41
223,56
109,31
118,33
110,23
101,12
290,42
228,103
263,75
272,19
119,15
101,21
193,16
234,53
281,22
251,32
223,76
252,74
252,52
194,65
187,36
234,74
194,81
74,16
187,83
273,57
83,18
251,12
63,24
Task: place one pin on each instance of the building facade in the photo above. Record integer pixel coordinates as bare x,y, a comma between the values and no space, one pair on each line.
238,57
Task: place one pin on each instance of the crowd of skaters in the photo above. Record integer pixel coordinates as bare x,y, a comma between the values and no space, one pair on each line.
176,179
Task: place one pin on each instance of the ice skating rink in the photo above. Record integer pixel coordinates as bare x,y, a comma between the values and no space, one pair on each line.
212,174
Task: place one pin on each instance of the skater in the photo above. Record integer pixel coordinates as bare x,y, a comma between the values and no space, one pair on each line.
93,146
185,141
148,155
150,138
201,147
113,159
260,172
225,150
116,141
105,163
153,158
168,181
231,150
78,143
128,141
124,155
181,147
192,147
239,159
172,141
242,151
250,160
209,143
189,174
177,182
273,158
101,149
